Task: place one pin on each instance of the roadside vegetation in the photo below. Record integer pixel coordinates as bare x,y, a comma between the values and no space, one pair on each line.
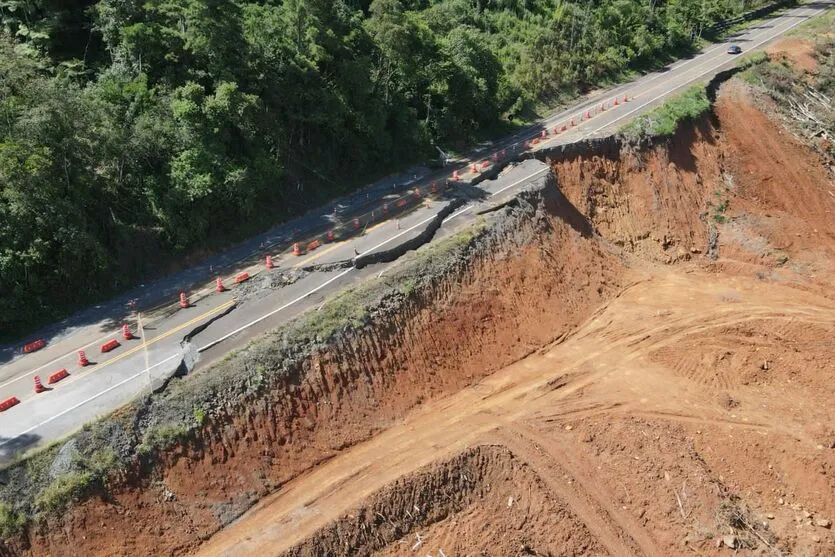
136,132
47,482
665,120
804,99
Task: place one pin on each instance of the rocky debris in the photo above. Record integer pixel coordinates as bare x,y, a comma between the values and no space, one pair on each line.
63,462
823,523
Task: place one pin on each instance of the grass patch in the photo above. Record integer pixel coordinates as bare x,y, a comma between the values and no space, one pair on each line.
752,59
347,309
160,438
664,120
64,490
11,522
199,416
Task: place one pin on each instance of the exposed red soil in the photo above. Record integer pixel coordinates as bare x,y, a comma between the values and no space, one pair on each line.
626,404
484,497
353,391
799,52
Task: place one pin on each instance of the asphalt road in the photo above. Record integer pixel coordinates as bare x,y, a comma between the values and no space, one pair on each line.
305,281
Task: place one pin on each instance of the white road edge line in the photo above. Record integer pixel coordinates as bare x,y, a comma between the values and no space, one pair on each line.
652,76
652,100
516,183
83,402
545,121
251,323
340,275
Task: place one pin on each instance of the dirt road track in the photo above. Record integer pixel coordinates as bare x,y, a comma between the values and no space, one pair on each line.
605,368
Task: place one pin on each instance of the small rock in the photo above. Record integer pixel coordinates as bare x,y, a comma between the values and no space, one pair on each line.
641,513
770,516
729,541
807,514
764,366
569,427
823,522
781,501
816,539
695,250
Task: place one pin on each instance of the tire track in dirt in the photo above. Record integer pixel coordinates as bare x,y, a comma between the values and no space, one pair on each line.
599,513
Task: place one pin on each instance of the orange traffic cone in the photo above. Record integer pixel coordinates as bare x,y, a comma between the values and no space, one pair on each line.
616,102
82,359
126,332
572,122
219,285
602,107
296,249
183,300
544,134
269,262
330,236
625,99
38,385
417,193
455,176
356,224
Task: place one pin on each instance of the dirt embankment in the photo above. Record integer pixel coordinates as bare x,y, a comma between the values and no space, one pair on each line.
496,305
688,413
583,379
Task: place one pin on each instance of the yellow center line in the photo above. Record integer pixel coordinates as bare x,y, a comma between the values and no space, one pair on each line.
98,367
319,254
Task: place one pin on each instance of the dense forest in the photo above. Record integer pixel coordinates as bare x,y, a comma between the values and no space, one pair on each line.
135,131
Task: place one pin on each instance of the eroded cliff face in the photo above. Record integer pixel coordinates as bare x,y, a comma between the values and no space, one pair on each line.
656,203
528,279
537,271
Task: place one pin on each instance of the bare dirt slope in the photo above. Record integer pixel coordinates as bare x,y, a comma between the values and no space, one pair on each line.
690,413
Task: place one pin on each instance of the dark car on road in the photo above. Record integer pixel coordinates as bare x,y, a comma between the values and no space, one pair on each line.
734,49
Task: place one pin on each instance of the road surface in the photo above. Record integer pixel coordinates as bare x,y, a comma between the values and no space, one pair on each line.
235,316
